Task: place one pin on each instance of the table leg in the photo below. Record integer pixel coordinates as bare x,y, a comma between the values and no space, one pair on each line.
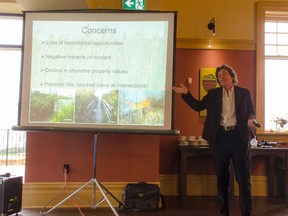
183,175
271,175
286,178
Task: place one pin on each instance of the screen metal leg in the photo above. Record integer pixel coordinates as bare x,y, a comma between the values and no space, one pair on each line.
96,184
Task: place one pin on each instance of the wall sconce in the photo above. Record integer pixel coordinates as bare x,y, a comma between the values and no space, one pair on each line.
211,25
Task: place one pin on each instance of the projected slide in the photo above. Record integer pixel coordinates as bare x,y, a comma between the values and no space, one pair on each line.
89,70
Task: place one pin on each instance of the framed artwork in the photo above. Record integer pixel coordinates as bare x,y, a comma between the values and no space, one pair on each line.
207,81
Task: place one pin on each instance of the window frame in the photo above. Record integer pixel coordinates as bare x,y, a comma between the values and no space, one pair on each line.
261,8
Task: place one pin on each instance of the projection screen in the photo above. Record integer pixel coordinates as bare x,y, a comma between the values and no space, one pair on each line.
98,70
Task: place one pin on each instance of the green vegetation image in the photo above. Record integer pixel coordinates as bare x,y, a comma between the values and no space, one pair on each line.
51,107
96,106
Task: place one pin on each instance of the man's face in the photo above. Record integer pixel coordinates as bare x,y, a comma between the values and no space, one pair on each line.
224,78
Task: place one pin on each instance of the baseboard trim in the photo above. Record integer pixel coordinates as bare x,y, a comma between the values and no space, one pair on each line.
205,185
47,194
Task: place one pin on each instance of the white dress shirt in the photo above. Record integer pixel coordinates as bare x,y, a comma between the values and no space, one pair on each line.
228,116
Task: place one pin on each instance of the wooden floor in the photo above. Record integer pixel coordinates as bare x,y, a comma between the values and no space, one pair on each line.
175,206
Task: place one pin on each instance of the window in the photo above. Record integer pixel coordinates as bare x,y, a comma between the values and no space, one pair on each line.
10,65
272,64
276,74
12,143
11,30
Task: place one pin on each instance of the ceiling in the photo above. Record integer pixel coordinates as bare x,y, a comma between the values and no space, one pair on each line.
51,4
18,6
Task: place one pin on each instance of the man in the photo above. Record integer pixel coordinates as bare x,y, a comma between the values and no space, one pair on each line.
228,128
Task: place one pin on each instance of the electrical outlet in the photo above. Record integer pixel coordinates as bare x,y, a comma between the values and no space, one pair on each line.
67,167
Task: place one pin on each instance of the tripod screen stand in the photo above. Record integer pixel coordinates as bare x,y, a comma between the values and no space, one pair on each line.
96,184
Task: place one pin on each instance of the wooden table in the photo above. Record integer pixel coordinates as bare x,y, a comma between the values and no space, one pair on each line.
189,151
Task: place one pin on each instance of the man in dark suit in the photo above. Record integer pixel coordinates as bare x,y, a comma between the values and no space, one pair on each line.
228,128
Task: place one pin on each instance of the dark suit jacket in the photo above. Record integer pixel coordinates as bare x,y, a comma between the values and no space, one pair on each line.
212,101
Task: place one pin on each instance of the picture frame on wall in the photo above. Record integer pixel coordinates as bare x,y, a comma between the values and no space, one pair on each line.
207,81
